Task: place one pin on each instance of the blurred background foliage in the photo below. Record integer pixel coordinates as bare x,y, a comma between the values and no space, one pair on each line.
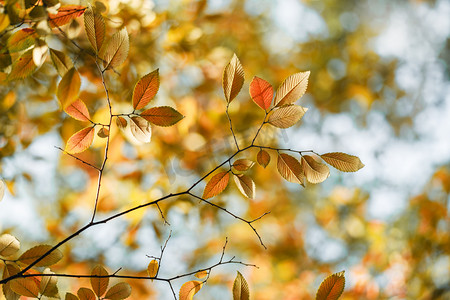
378,89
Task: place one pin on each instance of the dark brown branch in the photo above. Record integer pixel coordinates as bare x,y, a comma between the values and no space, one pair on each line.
79,159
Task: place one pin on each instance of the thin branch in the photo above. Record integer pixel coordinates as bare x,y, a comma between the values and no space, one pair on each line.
231,127
162,215
259,129
79,159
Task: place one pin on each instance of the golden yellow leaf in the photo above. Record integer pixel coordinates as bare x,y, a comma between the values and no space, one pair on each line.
289,168
189,289
61,62
263,158
99,285
25,286
8,243
80,140
68,88
70,296
141,129
152,268
245,185
145,89
36,252
201,274
95,28
292,89
4,21
261,92
85,294
116,50
232,79
216,185
162,116
243,164
48,284
21,40
23,66
286,116
315,172
342,161
119,291
332,287
78,111
9,270
240,288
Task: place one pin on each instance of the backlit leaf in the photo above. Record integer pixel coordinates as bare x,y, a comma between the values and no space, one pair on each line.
201,274
141,129
216,185
162,116
80,140
116,50
119,291
332,287
292,89
286,116
289,168
245,185
2,191
314,171
103,132
189,289
68,88
152,268
8,271
243,164
121,122
8,243
95,28
99,285
21,40
48,284
78,111
342,161
61,61
233,78
66,13
145,89
4,21
261,92
25,286
86,294
240,288
40,52
70,296
36,252
263,158
23,66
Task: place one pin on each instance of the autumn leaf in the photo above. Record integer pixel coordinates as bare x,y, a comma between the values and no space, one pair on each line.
332,287
23,66
342,161
40,52
189,289
121,122
245,185
68,88
263,158
21,40
240,288
289,168
162,116
103,132
232,79
25,286
116,50
78,111
61,62
145,89
201,274
243,164
4,21
261,92
99,285
70,296
315,172
141,129
66,13
292,89
2,190
119,291
152,268
8,271
86,294
9,245
80,140
216,185
94,25
48,284
36,252
286,116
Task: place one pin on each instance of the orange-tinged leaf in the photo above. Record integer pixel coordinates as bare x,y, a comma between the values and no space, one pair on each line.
36,252
68,88
48,284
80,140
116,50
263,158
85,294
201,274
121,122
95,28
162,116
141,129
152,268
232,79
289,168
286,116
70,296
145,89
261,92
240,288
25,286
189,289
315,172
8,244
99,285
103,132
23,66
61,61
119,291
216,185
292,89
332,287
342,161
243,164
66,13
78,111
245,185
8,271
21,40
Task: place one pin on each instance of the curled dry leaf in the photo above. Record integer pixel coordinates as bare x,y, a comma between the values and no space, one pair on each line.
80,140
121,122
95,28
292,89
332,287
162,116
261,92
290,168
245,185
141,129
66,13
342,161
61,62
189,289
48,284
201,274
240,288
103,132
78,111
68,88
315,172
99,284
145,89
116,50
36,252
23,66
232,79
216,185
243,164
263,158
152,268
119,291
25,286
8,271
86,294
286,116
9,245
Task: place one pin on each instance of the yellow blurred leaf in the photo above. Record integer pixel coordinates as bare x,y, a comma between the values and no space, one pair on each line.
201,274
240,288
152,268
332,287
342,161
99,285
8,243
216,185
315,172
119,291
4,21
189,289
36,252
2,194
21,40
233,78
23,66
68,88
292,89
